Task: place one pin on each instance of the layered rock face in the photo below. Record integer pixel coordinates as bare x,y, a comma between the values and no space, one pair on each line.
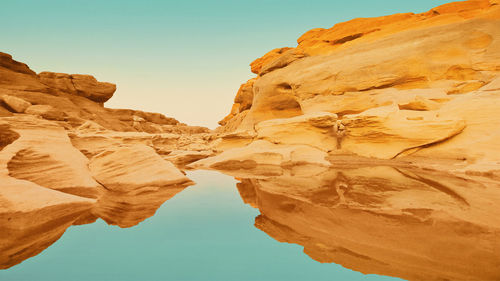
405,86
76,99
65,159
375,126
374,144
74,104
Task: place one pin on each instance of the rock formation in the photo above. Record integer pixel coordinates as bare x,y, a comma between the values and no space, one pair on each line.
75,99
405,86
374,143
66,159
132,167
374,126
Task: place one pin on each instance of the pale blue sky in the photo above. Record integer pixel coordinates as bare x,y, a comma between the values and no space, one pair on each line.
185,59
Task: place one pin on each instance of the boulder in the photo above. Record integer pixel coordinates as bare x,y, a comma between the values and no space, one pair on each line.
46,111
16,104
78,84
133,167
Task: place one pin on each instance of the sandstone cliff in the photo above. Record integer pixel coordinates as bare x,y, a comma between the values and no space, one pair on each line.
66,159
374,144
408,87
377,125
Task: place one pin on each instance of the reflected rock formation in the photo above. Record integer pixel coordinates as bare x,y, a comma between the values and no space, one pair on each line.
127,209
34,217
47,184
136,181
401,222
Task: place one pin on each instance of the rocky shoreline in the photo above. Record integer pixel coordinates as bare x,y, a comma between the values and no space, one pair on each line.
405,99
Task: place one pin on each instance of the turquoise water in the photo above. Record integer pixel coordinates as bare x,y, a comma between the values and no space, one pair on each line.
205,232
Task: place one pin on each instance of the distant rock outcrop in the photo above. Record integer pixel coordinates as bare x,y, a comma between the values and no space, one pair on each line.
82,85
74,98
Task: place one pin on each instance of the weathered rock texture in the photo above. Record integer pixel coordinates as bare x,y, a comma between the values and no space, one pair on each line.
128,168
406,85
75,99
411,94
66,159
82,85
374,143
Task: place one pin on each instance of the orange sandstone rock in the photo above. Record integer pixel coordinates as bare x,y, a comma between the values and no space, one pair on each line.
82,85
437,71
257,64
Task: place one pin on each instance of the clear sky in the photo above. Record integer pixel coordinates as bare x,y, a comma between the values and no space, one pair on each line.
185,59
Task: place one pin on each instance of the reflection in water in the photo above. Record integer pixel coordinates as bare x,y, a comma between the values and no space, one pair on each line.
416,225
24,235
412,224
129,209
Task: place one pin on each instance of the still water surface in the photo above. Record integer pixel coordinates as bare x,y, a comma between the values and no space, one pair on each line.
205,232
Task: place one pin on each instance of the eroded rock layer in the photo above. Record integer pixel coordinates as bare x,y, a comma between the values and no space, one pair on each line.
405,86
375,126
66,160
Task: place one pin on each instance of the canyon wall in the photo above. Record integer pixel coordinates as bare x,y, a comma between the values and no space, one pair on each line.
406,87
415,97
66,159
